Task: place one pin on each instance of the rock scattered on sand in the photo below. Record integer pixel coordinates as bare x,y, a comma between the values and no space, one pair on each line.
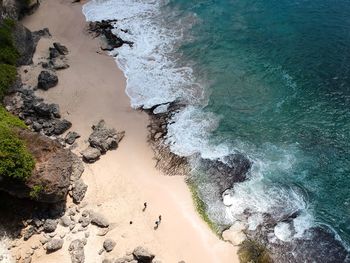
109,244
143,255
47,80
71,137
29,232
65,221
76,251
79,190
50,225
91,155
84,221
54,245
98,219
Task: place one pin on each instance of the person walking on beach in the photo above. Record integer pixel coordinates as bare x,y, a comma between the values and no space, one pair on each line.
157,225
160,218
144,206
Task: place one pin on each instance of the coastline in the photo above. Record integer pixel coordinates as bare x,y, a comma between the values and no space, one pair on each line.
93,88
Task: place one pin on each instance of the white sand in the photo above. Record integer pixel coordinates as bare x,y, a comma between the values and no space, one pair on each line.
93,89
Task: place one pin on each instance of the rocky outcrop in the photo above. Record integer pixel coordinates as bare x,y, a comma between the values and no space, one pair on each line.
53,169
101,140
40,116
78,191
47,80
109,40
16,9
25,44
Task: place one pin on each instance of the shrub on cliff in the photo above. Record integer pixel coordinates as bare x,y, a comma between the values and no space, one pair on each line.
15,160
8,51
7,77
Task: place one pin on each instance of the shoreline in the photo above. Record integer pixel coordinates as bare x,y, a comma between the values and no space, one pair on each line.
116,186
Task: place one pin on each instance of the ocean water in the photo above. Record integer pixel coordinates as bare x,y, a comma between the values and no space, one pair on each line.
269,79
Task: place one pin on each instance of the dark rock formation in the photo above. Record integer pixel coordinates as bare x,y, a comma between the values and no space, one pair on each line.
25,44
50,225
62,50
227,171
16,9
47,80
104,28
76,251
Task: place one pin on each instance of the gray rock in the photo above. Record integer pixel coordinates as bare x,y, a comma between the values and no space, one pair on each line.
50,225
54,245
45,110
79,191
98,219
24,43
103,138
84,221
91,155
76,251
71,137
77,168
60,126
143,255
47,80
29,233
37,126
53,53
63,50
109,244
65,221
59,63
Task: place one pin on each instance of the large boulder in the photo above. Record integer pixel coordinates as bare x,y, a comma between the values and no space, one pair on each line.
103,138
143,255
54,166
24,43
47,80
76,251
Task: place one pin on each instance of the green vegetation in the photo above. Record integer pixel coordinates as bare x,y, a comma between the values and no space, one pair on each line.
15,160
251,251
201,208
8,51
36,190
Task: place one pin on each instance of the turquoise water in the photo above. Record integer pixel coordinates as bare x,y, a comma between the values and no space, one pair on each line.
279,79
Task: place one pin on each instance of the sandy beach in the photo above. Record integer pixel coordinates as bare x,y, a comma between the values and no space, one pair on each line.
93,88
